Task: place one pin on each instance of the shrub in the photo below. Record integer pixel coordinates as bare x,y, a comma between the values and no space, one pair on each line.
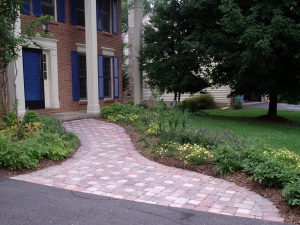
167,149
106,111
52,124
143,105
292,192
226,159
58,147
52,141
194,104
30,117
130,102
193,153
153,129
19,154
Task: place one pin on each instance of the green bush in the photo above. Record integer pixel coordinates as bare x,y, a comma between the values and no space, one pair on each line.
226,159
193,154
143,105
130,102
194,104
30,117
19,154
167,149
292,191
58,147
52,141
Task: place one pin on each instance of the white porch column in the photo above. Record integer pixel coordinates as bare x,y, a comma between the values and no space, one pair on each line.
54,79
93,106
137,43
18,67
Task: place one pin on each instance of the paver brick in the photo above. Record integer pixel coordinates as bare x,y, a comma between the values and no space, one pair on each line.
107,164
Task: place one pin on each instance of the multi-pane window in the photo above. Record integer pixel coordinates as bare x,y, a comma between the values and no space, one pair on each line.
80,13
82,75
48,7
44,59
106,15
107,77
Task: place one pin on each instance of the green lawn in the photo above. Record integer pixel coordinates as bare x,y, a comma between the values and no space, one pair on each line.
245,123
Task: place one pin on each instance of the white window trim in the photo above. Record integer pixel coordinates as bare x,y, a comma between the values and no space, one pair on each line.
81,48
108,51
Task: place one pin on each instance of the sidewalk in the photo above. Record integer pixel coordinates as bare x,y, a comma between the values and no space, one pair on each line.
108,165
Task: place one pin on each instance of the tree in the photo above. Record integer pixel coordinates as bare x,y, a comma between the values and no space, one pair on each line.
12,41
254,46
170,64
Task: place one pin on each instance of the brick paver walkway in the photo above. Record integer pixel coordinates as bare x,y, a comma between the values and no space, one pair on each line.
107,164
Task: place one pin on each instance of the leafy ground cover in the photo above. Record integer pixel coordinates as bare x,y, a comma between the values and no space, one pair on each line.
24,144
224,146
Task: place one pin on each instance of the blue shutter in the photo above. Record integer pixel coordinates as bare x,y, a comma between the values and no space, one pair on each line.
26,7
37,7
101,76
99,15
116,77
61,11
115,16
75,76
73,12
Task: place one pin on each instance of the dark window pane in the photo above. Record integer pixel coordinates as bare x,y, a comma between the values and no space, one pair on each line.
80,13
48,7
107,77
106,16
82,76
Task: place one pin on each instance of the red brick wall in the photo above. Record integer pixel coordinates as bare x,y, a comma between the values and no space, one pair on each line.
68,35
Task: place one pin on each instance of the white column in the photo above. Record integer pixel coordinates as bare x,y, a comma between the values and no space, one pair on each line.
54,79
137,43
93,106
19,81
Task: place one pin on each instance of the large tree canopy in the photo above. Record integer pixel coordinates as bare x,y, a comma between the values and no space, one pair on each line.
170,64
254,45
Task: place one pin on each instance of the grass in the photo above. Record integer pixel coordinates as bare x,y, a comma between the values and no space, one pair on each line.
245,123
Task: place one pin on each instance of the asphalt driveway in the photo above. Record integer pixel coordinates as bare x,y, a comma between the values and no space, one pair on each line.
280,106
27,204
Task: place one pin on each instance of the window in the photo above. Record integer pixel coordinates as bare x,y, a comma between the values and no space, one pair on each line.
44,58
48,7
107,16
107,77
82,75
80,13
55,8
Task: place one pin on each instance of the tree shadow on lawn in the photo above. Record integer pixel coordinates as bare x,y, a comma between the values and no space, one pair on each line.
263,119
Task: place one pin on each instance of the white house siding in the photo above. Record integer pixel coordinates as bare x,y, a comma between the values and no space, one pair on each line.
220,94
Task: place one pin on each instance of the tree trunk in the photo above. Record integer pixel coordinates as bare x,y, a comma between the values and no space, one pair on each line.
175,96
179,97
272,112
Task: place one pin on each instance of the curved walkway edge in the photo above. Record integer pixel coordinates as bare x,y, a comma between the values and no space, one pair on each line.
107,164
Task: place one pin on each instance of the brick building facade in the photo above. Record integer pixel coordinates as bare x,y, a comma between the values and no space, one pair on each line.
79,67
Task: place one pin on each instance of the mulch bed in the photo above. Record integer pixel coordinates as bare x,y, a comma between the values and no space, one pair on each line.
291,214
